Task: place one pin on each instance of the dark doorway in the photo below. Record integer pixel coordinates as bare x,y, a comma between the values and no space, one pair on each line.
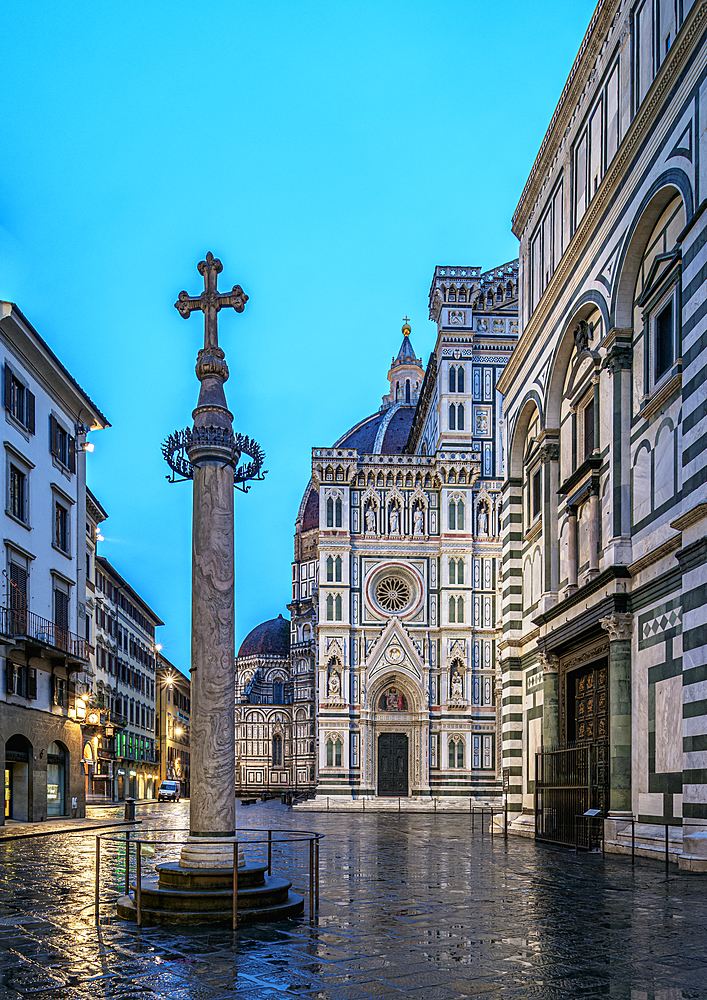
392,764
18,779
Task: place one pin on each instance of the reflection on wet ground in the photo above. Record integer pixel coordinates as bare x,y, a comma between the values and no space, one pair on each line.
411,905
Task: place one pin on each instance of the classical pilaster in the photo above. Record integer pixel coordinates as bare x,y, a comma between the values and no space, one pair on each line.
572,548
594,514
549,456
620,629
618,362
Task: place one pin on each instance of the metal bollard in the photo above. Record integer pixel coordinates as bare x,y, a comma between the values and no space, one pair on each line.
633,841
129,816
138,881
505,821
491,824
473,813
316,873
235,885
97,895
667,856
269,852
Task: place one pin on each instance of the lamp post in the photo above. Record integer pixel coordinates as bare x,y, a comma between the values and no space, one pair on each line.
210,454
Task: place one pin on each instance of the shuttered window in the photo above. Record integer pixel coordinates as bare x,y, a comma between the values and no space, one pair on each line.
18,400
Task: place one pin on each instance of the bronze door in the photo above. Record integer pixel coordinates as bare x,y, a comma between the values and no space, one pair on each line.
392,764
588,703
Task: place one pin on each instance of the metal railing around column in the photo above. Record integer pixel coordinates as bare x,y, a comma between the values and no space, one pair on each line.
272,838
490,811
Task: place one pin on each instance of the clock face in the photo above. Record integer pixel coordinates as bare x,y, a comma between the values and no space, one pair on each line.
395,654
93,719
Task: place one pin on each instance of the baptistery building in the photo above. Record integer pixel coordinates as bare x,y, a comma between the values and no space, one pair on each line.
389,684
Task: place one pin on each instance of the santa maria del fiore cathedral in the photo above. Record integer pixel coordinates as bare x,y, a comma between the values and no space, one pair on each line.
384,681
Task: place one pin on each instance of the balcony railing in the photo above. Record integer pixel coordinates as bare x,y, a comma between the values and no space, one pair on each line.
23,624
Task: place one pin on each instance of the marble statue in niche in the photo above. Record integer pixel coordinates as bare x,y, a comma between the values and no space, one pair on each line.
334,688
394,521
419,522
370,520
457,685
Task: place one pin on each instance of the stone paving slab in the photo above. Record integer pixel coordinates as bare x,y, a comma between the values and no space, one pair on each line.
411,906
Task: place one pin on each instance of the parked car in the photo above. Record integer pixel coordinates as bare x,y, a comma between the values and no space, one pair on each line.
169,791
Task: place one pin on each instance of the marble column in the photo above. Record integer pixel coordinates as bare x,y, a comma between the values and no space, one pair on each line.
551,729
594,514
620,629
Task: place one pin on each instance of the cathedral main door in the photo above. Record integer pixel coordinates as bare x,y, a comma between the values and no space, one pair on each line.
392,764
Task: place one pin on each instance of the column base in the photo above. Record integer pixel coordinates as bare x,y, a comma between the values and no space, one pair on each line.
616,821
694,852
203,852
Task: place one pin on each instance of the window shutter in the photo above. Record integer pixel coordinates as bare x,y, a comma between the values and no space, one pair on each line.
72,454
30,411
9,677
7,395
53,443
53,690
31,683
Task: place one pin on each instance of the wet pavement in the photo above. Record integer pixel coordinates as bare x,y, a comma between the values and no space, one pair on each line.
410,905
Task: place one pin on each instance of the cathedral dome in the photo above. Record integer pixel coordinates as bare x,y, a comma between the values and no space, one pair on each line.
383,433
271,638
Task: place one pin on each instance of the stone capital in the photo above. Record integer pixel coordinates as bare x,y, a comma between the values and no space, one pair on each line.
550,452
549,662
619,626
619,357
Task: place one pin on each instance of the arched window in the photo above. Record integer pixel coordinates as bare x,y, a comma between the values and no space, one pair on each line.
460,609
329,608
407,390
452,378
397,391
452,515
452,609
452,571
456,752
460,753
460,515
329,569
460,417
277,749
330,513
338,607
452,417
460,571
337,753
329,753
338,513
277,693
337,564
460,379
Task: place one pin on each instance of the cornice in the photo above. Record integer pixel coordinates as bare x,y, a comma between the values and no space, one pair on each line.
637,130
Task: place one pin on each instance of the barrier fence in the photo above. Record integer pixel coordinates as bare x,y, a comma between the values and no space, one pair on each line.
136,845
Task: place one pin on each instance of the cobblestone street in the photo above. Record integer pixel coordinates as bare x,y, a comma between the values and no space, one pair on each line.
410,906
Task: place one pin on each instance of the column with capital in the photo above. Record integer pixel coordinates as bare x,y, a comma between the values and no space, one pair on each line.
620,629
619,362
210,454
551,729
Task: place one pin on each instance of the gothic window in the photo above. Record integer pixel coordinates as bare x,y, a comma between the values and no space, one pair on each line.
277,749
456,752
537,493
460,571
452,571
460,515
452,515
337,604
337,566
329,753
452,609
337,752
460,417
407,390
329,569
338,509
460,609
277,693
460,378
452,378
452,417
397,391
588,414
330,608
330,513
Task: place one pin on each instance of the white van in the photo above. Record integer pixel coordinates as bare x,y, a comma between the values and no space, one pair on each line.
169,791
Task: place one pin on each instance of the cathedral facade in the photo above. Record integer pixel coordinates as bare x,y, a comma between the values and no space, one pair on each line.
389,686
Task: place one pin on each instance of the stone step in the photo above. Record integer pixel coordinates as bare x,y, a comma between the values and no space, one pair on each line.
171,874
272,892
292,906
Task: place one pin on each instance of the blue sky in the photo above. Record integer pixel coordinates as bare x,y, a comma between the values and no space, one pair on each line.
331,154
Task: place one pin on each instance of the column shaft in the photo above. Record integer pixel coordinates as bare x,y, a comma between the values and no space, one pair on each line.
620,725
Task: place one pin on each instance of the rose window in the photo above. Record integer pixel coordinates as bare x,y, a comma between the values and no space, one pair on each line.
393,594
